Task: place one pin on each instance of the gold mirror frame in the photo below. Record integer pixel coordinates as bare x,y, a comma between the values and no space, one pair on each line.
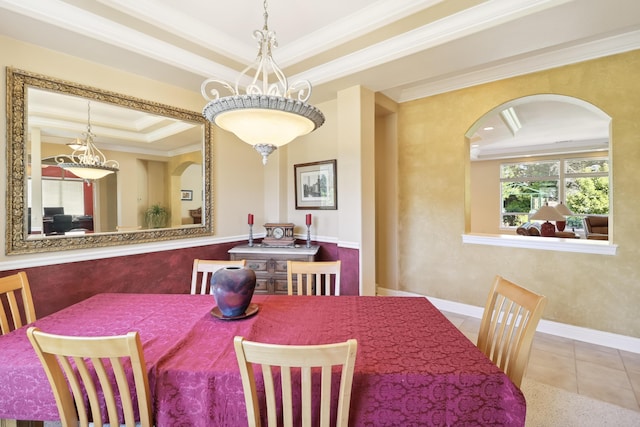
18,82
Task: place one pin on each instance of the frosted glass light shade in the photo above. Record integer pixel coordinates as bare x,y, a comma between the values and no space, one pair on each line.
263,119
88,172
258,126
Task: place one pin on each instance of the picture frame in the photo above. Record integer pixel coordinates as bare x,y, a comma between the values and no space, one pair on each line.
316,185
186,195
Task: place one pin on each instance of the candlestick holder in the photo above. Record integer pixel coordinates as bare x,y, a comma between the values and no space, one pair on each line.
308,236
250,235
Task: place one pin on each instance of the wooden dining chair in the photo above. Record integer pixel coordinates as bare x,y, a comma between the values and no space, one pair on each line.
9,285
205,268
508,325
303,358
313,278
87,364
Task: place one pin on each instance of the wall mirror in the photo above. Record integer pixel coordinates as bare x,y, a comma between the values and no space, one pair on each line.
162,187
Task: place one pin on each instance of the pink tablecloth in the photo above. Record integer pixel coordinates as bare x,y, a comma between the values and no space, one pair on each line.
413,367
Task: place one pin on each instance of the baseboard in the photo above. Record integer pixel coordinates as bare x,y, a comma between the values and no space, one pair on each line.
593,336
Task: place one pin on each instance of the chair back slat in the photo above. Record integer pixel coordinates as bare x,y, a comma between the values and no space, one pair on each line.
9,286
314,278
508,325
93,367
299,366
205,269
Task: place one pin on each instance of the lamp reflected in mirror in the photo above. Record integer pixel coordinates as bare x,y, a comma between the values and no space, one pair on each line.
565,212
547,213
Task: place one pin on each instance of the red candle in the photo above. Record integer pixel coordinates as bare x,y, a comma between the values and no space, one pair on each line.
308,219
250,219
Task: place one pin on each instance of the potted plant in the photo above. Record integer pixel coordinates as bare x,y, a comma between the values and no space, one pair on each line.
156,216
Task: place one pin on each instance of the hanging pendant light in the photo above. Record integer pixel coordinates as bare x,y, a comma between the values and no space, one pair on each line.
87,161
266,116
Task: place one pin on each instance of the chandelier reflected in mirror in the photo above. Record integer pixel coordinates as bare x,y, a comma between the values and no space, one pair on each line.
87,161
266,116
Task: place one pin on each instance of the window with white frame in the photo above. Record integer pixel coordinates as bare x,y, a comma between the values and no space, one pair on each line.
68,193
582,184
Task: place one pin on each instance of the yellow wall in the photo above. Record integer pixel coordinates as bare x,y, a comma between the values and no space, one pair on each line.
594,291
386,183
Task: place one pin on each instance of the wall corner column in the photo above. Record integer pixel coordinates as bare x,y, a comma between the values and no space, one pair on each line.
356,178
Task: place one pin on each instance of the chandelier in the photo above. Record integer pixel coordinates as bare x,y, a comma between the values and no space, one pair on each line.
266,116
87,161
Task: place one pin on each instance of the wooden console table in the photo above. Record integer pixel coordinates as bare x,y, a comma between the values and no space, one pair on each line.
270,264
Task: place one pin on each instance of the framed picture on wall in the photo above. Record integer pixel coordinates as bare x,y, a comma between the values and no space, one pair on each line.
186,194
316,185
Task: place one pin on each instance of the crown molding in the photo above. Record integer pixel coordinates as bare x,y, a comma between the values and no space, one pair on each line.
177,23
544,61
462,24
77,20
350,27
467,22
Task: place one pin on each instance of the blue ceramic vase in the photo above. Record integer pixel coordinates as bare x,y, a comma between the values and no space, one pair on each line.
232,288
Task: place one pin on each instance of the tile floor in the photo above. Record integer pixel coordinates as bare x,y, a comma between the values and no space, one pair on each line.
602,373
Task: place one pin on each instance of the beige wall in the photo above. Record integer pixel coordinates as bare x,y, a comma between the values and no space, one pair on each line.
236,166
240,183
593,291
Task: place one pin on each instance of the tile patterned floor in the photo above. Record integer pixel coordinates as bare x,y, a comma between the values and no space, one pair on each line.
596,371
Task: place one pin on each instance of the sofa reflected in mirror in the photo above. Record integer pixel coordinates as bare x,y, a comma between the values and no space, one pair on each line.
596,227
533,229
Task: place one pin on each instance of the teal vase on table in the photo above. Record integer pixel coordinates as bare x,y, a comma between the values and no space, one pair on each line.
232,288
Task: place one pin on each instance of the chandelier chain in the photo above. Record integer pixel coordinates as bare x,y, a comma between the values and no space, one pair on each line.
256,82
276,111
266,16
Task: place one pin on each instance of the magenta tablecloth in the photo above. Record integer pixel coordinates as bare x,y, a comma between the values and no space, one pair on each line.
413,367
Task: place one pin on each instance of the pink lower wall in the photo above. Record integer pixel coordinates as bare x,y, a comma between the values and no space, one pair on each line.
55,287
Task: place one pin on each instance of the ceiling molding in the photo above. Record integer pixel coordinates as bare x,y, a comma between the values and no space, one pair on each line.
77,20
178,23
376,67
530,64
350,27
465,23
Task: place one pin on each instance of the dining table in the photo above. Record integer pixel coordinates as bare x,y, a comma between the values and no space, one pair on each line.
413,366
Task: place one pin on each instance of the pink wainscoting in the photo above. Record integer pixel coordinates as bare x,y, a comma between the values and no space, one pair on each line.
58,286
350,268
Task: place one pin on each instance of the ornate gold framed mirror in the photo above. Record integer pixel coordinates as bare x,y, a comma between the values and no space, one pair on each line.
161,152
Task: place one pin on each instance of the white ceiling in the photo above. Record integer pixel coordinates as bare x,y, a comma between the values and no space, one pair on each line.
406,49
